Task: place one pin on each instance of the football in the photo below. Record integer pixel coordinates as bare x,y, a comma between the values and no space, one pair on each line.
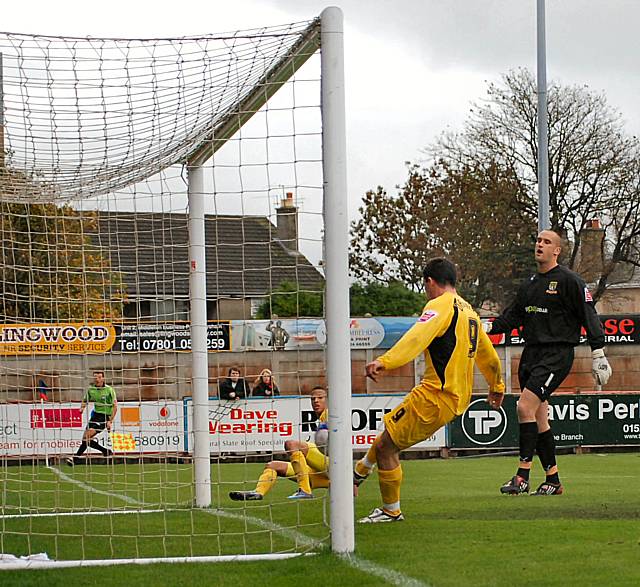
322,435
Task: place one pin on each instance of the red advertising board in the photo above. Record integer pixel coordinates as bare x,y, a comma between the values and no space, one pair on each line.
619,329
56,418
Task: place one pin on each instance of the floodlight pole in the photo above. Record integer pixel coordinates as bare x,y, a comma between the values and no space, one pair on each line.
336,248
199,357
2,158
543,137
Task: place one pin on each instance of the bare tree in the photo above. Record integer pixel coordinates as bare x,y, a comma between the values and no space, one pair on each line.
593,163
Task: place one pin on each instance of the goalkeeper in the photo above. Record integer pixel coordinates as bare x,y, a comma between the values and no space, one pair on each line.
105,404
551,306
308,466
450,335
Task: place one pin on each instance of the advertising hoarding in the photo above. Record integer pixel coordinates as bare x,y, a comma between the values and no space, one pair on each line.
576,420
257,425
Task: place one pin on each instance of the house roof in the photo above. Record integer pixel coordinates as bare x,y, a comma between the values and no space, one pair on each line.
243,256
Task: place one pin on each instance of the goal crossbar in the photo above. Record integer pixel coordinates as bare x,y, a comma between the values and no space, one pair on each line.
267,86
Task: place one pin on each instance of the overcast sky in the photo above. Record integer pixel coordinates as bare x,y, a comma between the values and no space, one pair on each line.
412,66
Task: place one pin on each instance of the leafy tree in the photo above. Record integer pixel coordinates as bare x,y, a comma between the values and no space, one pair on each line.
287,301
442,210
49,268
395,235
377,299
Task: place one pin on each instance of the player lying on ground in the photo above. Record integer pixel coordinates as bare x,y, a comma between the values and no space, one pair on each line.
308,466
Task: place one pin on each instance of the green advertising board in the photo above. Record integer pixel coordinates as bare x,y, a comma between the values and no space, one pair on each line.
576,420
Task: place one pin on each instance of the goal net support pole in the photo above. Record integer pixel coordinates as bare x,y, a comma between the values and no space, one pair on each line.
199,358
334,154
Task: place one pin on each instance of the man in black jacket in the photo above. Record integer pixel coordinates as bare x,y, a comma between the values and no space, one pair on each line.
235,386
551,306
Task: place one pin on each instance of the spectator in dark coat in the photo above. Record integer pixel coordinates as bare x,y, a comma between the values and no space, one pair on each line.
235,386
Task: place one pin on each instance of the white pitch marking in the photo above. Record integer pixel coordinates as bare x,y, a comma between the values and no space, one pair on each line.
81,513
389,575
65,477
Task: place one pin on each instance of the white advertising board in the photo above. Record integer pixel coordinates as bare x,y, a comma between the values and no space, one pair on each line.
165,427
257,425
51,429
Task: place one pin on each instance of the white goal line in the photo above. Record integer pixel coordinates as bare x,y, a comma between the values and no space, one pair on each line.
84,513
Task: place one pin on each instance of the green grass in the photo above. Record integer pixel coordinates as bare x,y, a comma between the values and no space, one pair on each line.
458,531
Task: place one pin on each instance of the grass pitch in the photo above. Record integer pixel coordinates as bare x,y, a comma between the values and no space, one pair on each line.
458,531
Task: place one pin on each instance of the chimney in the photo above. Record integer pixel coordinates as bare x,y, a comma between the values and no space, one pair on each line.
590,256
287,223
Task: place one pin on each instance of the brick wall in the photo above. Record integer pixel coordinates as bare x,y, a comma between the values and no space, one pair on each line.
153,376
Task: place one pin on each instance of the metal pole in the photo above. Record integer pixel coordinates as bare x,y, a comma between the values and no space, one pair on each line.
543,138
334,155
2,159
507,368
44,433
199,358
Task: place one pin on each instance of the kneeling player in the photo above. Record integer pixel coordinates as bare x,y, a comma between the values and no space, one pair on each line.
308,466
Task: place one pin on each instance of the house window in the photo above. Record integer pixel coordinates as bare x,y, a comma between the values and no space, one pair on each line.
137,309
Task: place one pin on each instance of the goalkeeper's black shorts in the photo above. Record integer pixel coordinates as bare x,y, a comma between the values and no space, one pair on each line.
544,367
98,421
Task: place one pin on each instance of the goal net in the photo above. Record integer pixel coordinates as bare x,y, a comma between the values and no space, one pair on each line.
161,226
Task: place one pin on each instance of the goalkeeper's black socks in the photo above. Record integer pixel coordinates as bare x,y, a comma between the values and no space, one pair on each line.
528,440
81,448
553,478
546,449
102,449
524,473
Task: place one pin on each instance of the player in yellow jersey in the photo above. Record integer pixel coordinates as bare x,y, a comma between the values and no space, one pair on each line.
452,339
308,467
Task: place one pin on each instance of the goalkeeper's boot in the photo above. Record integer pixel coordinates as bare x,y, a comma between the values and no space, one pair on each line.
547,488
515,486
300,494
245,495
70,461
379,515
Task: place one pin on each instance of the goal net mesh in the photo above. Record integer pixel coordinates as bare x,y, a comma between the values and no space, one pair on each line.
97,141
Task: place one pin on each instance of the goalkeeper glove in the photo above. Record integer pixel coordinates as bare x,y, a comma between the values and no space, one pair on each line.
600,369
487,326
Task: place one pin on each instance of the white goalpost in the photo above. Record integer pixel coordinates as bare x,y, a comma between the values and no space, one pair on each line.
173,212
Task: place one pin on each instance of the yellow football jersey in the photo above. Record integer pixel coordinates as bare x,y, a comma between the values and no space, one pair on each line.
324,417
450,334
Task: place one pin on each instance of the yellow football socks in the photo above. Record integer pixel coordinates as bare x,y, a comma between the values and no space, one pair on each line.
266,481
299,464
364,466
390,482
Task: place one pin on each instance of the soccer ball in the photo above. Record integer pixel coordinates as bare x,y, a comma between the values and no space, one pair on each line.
322,435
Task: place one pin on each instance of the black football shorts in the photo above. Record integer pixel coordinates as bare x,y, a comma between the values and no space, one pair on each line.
544,367
97,421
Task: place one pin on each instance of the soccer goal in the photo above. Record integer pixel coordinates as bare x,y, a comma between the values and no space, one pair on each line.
174,239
